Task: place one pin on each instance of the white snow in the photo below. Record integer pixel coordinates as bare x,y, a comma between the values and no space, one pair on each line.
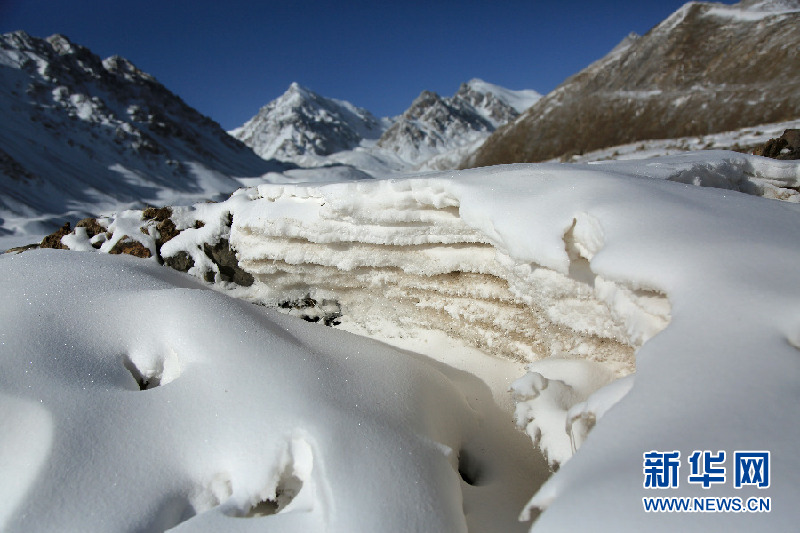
754,10
310,130
240,405
651,313
645,149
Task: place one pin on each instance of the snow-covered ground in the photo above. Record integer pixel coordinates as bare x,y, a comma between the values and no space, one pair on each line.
745,138
632,307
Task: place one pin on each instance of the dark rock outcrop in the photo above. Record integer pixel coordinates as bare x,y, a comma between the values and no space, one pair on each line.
787,146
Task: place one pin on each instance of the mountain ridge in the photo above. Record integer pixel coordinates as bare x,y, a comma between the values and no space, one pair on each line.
304,127
706,68
100,134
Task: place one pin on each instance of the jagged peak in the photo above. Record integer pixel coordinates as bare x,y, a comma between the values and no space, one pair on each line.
62,45
295,87
18,34
117,64
426,96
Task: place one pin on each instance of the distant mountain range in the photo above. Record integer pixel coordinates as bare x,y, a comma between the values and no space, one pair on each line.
301,125
707,68
81,135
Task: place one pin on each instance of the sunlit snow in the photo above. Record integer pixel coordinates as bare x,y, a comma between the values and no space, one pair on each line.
544,318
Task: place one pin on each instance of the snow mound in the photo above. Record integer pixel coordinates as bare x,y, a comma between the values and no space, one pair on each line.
146,401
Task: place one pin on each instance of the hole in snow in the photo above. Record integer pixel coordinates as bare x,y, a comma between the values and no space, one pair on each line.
297,463
469,468
288,487
150,371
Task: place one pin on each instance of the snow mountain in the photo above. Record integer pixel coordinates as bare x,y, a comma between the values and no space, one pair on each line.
83,135
301,122
707,68
435,124
305,128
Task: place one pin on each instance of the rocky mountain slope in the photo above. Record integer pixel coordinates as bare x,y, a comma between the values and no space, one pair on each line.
83,133
707,68
301,122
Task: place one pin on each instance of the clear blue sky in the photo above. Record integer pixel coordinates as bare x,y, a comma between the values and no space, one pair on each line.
229,58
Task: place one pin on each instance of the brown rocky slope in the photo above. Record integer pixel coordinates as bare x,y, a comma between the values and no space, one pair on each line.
707,68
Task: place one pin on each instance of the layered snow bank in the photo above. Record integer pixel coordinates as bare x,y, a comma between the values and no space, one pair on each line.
132,398
405,252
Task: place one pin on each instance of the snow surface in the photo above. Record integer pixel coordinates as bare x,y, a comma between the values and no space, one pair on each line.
242,405
583,272
741,139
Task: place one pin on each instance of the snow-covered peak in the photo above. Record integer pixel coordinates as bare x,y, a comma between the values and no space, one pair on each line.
83,135
119,65
519,100
301,122
435,125
62,45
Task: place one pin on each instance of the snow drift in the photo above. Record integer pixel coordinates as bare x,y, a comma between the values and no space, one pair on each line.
584,272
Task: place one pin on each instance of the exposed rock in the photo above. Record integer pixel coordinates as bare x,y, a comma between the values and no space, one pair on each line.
20,249
54,239
166,227
133,248
225,259
328,311
181,261
159,214
787,146
92,226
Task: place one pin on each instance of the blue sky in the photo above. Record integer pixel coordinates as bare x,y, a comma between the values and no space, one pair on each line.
229,58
